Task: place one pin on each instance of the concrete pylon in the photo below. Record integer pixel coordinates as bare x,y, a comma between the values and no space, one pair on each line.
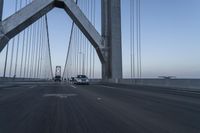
111,33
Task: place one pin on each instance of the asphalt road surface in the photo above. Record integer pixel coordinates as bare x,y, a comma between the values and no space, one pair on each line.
108,108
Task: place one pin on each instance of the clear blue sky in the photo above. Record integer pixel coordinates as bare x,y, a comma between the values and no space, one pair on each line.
170,36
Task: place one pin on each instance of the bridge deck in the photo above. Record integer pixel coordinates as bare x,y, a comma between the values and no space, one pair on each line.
63,108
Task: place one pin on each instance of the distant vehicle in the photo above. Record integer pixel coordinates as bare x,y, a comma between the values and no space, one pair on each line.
167,77
57,78
58,74
81,79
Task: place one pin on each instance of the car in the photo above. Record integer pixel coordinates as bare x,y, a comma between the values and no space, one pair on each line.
57,79
81,80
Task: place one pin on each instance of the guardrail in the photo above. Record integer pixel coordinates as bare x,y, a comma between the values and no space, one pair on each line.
172,83
21,80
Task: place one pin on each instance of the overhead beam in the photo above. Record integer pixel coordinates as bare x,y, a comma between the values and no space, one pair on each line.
84,25
16,23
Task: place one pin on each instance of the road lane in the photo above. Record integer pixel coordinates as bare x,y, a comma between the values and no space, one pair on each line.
63,108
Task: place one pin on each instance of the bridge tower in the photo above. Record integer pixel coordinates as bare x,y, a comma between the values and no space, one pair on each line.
107,45
111,34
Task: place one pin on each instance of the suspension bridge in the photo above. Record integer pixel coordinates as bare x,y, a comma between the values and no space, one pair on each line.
114,102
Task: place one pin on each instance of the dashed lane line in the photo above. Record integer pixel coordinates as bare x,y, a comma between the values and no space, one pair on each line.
108,86
73,86
31,87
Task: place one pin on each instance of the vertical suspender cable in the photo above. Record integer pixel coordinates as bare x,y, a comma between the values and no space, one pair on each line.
37,48
75,53
84,45
40,48
69,46
26,53
85,41
87,56
73,31
78,61
26,49
7,48
13,43
79,48
49,50
6,61
32,51
138,40
23,48
94,20
29,51
140,50
90,12
22,57
131,39
18,41
77,45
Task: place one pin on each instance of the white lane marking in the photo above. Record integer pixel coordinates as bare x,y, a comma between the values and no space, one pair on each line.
99,98
60,95
31,87
108,86
73,86
10,87
188,91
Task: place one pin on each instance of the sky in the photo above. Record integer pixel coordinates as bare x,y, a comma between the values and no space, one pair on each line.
170,32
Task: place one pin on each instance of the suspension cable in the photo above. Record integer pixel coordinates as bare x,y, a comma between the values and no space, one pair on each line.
41,50
6,61
26,53
18,41
139,30
23,48
48,41
90,12
69,47
29,51
132,35
13,43
94,19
